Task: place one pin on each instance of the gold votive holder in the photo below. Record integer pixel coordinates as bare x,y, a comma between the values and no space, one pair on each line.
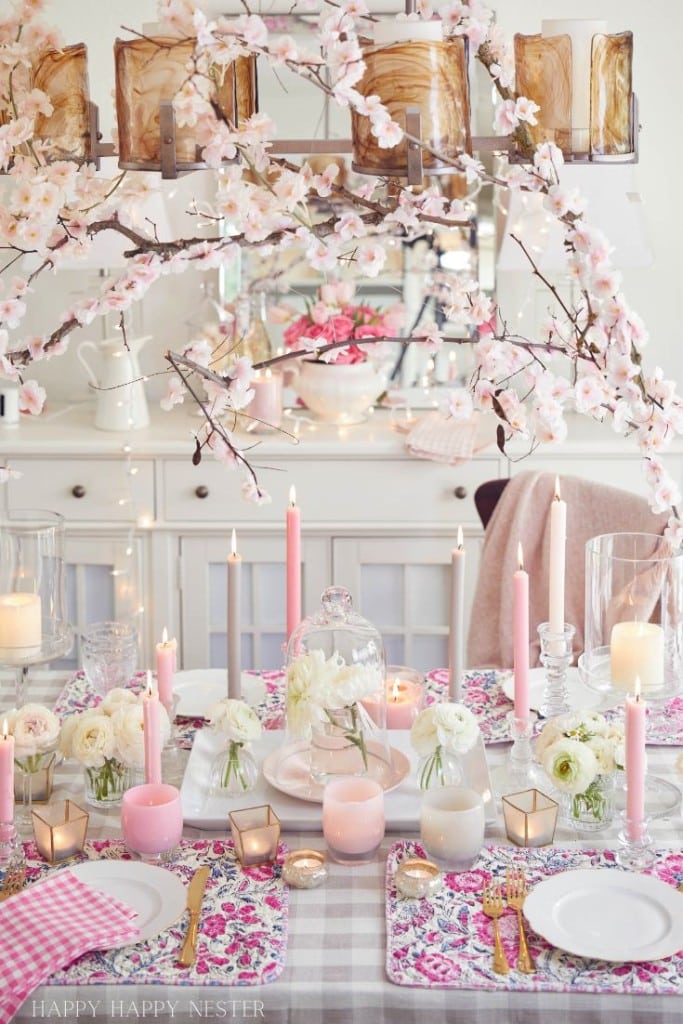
530,818
304,869
255,833
417,878
35,787
60,830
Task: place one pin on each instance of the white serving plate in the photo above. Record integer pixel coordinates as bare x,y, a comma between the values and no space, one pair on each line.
401,805
199,689
158,896
288,769
581,698
607,914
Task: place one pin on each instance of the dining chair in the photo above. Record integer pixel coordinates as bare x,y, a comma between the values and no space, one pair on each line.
486,498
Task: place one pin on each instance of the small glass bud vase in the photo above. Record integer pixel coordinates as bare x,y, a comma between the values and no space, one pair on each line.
233,771
439,769
556,657
105,785
591,810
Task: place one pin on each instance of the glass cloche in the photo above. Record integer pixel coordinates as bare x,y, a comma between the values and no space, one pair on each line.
336,692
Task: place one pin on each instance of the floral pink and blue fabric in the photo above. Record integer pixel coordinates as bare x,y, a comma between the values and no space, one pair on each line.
446,941
242,931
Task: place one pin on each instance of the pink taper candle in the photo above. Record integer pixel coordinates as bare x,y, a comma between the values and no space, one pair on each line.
635,765
6,775
293,564
166,656
520,636
234,621
151,722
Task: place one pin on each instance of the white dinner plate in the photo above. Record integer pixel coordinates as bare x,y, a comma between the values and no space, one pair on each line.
607,914
580,697
158,896
288,769
198,689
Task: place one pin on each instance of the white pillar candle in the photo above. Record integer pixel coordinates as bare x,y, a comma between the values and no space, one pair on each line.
581,33
394,30
456,633
558,542
234,622
637,651
20,624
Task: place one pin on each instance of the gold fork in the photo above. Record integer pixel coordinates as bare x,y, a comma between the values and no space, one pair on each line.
515,893
493,906
13,882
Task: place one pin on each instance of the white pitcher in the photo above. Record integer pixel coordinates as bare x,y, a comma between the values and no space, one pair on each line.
121,402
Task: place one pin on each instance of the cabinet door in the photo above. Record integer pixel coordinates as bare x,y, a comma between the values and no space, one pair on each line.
103,583
203,597
401,584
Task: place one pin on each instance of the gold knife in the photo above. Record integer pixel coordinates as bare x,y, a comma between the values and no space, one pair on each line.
195,892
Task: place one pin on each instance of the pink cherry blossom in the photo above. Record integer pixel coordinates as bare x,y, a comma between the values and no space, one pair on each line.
31,397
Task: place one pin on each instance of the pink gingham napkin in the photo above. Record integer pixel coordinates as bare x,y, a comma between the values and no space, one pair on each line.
51,924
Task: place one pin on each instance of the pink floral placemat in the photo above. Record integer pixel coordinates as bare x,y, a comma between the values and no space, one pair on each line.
77,694
446,941
242,931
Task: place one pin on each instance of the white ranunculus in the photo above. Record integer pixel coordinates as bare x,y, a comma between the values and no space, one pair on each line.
92,740
456,728
604,750
116,698
35,729
69,727
128,727
571,765
549,734
423,733
236,720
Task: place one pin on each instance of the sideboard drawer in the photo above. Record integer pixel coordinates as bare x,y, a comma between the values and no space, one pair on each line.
330,490
85,490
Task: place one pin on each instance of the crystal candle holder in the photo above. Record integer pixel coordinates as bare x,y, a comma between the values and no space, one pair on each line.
530,818
256,834
60,831
556,657
636,851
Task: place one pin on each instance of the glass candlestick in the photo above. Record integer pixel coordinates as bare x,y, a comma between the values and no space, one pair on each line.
519,772
556,657
637,852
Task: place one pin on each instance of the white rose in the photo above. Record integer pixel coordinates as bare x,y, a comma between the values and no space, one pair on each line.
116,698
237,720
456,728
92,741
571,765
35,729
423,734
69,724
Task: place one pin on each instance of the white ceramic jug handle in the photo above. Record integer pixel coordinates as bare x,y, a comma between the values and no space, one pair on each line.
85,364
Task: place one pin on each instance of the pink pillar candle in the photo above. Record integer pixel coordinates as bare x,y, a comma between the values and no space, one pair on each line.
404,698
293,564
265,407
520,637
6,775
635,765
166,662
234,622
151,722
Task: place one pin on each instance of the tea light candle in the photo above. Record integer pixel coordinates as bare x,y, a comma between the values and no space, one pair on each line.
395,30
20,624
637,652
304,869
166,660
417,878
151,721
255,833
234,621
60,830
6,775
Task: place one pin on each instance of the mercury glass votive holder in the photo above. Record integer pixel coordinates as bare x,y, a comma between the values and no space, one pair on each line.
304,869
417,878
60,831
530,818
256,834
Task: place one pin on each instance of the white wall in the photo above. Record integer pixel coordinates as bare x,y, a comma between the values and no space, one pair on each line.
654,292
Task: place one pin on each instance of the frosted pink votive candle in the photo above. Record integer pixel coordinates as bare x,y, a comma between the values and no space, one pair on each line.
353,819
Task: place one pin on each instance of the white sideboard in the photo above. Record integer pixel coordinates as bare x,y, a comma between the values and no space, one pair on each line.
148,532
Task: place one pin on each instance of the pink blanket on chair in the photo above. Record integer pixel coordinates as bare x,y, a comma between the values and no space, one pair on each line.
522,514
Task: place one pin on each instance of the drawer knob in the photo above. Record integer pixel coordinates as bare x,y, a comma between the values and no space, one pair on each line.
78,491
460,491
202,491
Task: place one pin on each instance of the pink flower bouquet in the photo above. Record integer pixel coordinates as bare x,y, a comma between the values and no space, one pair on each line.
333,318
